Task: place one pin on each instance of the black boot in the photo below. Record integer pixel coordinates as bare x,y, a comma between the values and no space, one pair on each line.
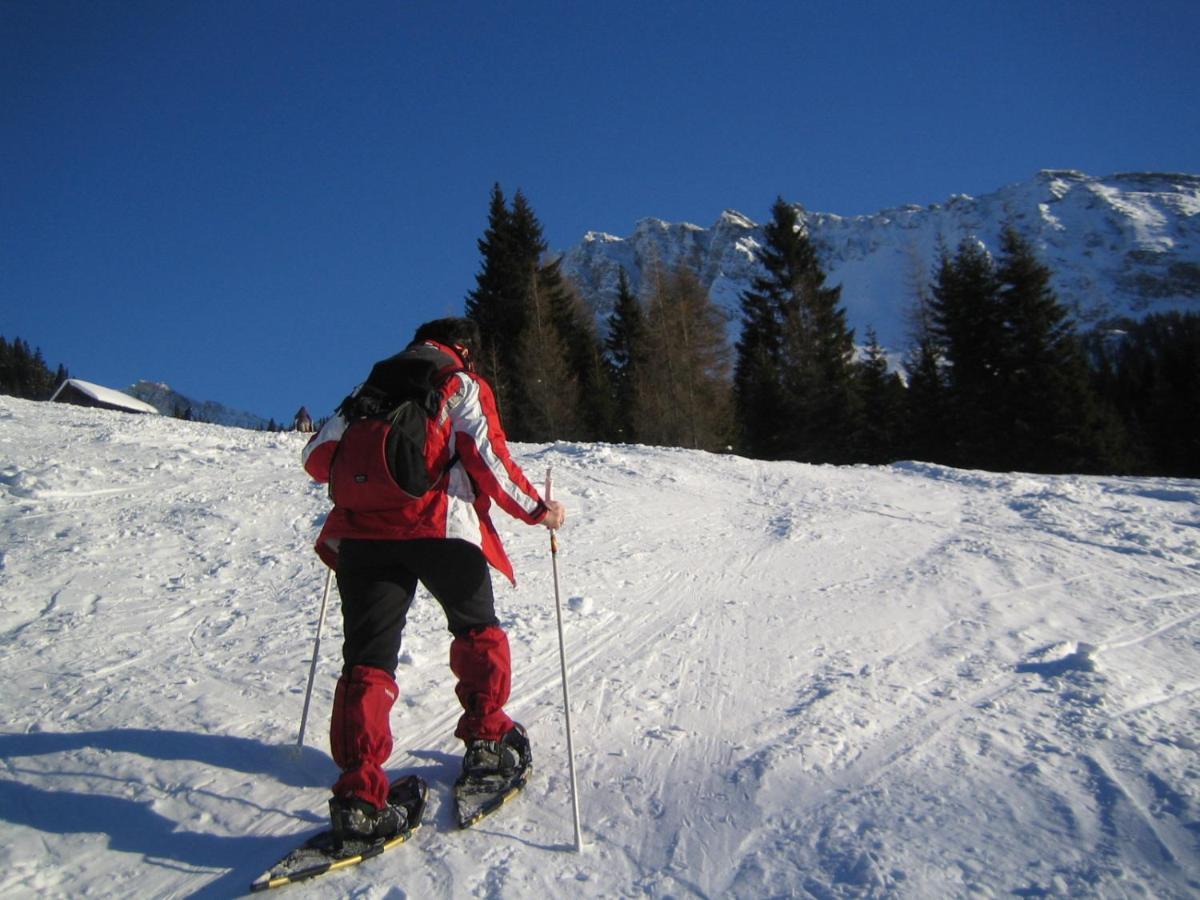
507,756
357,820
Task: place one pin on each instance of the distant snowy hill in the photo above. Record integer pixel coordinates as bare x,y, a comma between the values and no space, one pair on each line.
166,400
1120,245
787,680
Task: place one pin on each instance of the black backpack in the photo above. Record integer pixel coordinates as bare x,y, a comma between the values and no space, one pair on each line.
380,460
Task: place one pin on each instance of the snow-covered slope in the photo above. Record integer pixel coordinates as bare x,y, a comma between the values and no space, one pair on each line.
788,680
1120,245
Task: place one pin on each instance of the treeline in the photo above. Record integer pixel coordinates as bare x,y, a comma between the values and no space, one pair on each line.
24,373
1148,373
997,377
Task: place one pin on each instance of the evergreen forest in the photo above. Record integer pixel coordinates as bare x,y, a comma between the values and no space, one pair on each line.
997,376
24,373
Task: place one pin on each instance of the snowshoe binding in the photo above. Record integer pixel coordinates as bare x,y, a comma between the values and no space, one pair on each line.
493,773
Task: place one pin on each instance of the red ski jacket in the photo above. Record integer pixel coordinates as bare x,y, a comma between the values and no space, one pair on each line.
466,434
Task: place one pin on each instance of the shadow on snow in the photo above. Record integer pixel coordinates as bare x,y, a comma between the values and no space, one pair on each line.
132,826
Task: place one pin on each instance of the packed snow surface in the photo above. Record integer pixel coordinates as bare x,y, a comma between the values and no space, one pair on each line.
787,680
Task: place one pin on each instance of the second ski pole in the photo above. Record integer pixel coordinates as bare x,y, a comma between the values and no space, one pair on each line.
312,671
562,657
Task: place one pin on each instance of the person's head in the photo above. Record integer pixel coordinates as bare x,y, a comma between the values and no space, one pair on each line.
460,333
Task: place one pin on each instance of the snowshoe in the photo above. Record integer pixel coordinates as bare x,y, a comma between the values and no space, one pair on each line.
352,839
493,773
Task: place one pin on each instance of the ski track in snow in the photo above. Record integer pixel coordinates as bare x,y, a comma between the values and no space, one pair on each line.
787,680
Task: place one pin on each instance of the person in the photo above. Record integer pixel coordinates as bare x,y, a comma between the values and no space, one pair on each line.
302,421
446,541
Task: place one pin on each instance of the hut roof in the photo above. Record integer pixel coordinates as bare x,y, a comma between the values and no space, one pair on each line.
103,396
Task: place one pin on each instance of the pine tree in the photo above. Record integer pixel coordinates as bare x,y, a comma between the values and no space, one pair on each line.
497,303
7,368
881,402
626,351
926,422
41,379
547,396
758,376
970,335
24,373
522,302
510,249
686,401
583,355
1148,374
795,383
1051,417
1016,383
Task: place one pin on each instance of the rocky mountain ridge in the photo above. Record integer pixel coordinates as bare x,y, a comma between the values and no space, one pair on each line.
1119,245
169,401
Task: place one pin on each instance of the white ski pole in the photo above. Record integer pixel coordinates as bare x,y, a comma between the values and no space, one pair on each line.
562,658
312,671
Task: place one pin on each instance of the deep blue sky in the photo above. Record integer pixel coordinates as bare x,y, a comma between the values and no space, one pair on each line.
252,200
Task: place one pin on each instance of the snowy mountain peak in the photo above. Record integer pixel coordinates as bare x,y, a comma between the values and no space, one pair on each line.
1123,245
601,236
733,218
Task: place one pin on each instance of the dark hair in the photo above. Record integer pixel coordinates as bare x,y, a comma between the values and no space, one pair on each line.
451,332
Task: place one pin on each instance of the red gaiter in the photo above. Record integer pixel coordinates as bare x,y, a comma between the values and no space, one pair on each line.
360,733
480,659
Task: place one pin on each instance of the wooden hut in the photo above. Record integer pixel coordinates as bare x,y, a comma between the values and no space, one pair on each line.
84,393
